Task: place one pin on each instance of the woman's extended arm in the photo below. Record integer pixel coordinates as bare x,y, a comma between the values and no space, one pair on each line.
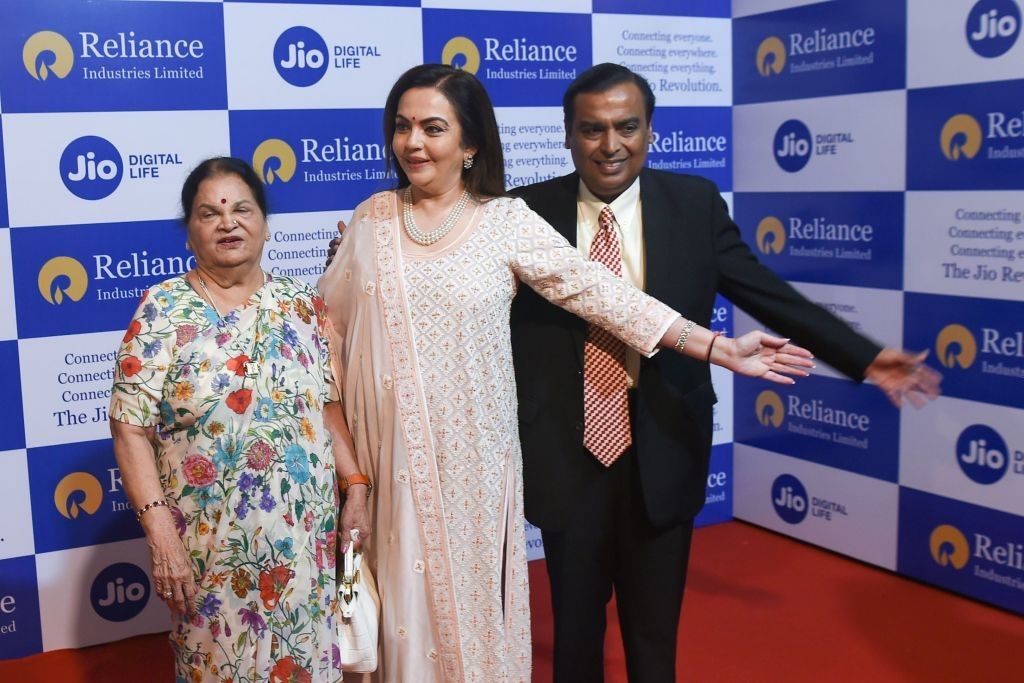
754,354
557,271
172,567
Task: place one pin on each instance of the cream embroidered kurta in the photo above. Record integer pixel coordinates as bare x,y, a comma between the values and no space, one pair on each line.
430,397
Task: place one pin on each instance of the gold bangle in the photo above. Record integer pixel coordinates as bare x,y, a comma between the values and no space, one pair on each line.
149,506
684,335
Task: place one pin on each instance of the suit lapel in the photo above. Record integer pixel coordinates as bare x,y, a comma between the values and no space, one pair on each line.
662,256
563,207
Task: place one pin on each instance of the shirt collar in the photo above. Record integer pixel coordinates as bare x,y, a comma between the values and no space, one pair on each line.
624,206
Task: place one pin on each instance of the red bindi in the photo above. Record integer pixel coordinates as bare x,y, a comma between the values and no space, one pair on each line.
223,201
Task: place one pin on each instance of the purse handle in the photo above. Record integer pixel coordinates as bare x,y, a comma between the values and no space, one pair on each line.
350,569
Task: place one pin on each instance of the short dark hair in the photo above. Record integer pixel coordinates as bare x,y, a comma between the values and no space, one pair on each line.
475,112
602,77
216,166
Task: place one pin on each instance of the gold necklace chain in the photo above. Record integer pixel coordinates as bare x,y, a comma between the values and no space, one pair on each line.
202,285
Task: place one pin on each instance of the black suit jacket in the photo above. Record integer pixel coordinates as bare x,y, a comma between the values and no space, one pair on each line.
692,249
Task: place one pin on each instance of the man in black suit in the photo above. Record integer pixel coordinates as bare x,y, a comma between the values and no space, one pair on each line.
629,525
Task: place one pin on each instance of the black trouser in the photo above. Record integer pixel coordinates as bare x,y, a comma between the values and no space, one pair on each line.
609,543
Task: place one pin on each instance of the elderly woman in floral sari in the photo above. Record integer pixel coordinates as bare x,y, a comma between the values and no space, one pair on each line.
231,444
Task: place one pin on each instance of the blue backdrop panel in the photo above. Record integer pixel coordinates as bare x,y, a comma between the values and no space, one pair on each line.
978,345
828,421
836,238
312,160
12,423
93,275
523,58
64,55
966,137
20,630
77,497
820,49
966,548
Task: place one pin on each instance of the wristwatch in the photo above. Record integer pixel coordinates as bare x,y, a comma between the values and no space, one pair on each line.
345,482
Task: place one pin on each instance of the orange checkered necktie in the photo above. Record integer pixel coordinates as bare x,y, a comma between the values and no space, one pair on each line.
606,431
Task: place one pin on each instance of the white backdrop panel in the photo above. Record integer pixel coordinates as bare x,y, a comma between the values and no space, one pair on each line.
155,152
867,152
687,60
965,450
865,529
376,44
941,51
965,244
16,537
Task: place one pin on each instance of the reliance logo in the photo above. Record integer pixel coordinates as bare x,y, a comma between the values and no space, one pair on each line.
956,346
462,53
949,546
76,493
274,159
769,409
45,53
60,277
960,137
771,236
771,56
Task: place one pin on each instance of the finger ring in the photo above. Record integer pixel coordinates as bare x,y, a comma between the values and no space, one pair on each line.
354,534
168,594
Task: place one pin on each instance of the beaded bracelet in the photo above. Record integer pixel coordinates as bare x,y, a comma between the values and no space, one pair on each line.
684,335
147,507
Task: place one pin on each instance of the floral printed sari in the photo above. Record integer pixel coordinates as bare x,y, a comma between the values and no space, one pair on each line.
246,464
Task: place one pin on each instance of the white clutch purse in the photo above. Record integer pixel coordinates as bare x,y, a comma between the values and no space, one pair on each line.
358,626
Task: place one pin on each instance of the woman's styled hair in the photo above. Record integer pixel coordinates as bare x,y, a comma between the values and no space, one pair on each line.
216,166
475,112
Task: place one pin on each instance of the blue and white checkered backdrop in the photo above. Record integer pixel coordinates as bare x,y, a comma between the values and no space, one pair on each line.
866,133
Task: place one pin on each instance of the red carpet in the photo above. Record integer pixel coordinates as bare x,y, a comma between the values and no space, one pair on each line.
759,607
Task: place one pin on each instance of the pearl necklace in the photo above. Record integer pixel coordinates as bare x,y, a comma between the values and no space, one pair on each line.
427,238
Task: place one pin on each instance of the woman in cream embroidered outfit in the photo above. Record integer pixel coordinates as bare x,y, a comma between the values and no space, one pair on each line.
421,321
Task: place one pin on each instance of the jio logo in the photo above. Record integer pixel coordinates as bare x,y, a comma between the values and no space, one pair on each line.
789,498
119,592
982,454
792,146
993,27
300,55
91,167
